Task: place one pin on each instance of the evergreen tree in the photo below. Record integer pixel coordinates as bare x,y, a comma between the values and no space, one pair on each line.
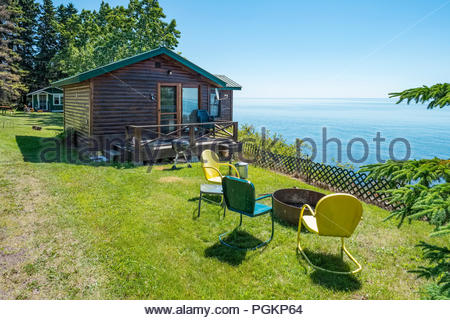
437,95
425,193
11,86
46,44
65,12
65,17
27,48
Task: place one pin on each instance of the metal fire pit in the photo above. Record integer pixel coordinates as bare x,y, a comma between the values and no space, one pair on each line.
288,202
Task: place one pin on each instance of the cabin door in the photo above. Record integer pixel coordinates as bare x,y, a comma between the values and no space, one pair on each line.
169,106
43,100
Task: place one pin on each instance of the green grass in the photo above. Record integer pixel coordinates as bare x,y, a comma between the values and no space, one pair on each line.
84,231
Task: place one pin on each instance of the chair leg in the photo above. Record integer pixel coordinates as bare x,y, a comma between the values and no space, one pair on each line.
273,225
199,204
343,249
223,204
249,248
351,258
224,209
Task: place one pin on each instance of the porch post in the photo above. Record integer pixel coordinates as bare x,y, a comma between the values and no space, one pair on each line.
137,146
235,131
191,135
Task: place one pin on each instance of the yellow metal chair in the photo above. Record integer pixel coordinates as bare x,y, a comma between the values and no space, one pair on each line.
211,167
336,215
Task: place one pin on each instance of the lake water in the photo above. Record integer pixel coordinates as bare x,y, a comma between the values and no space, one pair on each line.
426,131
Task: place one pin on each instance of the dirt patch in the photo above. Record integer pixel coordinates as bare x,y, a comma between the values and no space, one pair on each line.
39,259
171,179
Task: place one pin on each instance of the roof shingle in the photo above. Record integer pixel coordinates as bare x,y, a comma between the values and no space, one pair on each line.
230,84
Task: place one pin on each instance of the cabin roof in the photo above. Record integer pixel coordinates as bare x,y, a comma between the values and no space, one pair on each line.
218,79
230,84
50,90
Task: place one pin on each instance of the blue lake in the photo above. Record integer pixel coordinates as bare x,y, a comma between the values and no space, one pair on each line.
426,131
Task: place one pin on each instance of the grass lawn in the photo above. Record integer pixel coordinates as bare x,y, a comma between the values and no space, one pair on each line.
86,231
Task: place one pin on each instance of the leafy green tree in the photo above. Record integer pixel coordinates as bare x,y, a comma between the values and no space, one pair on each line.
27,46
96,38
46,44
11,86
424,192
267,141
151,30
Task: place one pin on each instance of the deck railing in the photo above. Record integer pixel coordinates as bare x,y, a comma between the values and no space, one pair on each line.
140,136
324,176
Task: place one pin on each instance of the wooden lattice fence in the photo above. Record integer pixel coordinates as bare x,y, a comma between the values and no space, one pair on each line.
325,176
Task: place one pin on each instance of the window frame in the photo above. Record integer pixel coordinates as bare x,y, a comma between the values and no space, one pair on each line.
219,107
190,86
60,96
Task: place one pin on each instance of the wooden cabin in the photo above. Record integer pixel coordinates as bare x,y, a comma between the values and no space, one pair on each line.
47,99
148,99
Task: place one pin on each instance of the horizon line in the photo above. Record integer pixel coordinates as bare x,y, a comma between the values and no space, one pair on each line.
312,97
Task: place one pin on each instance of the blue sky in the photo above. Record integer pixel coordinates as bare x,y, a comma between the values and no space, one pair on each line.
290,49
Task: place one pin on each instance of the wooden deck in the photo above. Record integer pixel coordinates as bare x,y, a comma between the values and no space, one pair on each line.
148,144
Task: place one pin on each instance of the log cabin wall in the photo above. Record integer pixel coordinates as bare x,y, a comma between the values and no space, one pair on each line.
226,105
124,97
77,106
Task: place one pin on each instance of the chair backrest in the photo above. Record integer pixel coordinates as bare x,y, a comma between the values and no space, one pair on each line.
338,215
239,195
202,116
210,159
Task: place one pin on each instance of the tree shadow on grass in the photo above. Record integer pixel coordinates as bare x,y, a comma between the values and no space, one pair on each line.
229,255
33,148
339,282
41,119
54,150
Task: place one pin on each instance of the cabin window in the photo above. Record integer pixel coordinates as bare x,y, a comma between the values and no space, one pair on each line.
157,64
169,99
214,105
57,99
190,105
168,108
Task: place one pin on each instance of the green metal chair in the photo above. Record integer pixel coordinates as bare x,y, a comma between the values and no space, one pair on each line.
239,195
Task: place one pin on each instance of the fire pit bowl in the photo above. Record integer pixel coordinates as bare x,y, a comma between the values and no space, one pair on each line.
288,202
